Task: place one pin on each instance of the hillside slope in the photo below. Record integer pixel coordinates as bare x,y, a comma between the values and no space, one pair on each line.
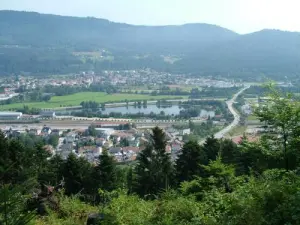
44,44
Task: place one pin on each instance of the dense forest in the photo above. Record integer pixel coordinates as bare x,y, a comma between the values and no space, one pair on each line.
218,182
39,44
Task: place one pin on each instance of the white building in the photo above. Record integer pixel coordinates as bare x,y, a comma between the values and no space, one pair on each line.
10,115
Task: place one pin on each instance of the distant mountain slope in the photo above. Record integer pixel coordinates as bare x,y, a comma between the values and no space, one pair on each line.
43,44
29,28
270,52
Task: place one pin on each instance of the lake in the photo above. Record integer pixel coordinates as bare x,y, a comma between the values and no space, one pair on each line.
170,110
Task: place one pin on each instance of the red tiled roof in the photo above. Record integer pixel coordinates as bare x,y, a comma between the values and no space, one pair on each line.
238,139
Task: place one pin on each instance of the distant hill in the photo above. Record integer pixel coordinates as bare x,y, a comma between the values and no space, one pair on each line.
40,30
44,44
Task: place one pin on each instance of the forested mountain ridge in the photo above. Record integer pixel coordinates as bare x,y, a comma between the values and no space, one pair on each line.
50,43
42,30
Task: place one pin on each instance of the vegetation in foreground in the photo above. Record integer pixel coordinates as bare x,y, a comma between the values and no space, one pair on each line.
216,183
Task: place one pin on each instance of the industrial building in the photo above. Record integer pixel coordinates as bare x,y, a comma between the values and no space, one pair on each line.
10,115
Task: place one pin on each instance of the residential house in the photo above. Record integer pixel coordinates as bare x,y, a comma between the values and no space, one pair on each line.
100,141
70,138
90,150
46,130
114,150
57,132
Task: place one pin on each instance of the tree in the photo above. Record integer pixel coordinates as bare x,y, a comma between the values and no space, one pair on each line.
13,206
188,164
212,148
53,172
92,131
104,174
154,168
281,117
53,140
76,173
229,152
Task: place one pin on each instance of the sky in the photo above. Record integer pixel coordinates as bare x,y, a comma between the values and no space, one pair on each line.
242,16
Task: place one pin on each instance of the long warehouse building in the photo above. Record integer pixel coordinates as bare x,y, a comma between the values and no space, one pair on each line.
10,115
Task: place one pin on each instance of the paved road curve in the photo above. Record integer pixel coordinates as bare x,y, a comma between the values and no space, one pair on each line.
237,117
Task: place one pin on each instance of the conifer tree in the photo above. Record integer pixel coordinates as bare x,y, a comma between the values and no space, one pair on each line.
189,161
154,169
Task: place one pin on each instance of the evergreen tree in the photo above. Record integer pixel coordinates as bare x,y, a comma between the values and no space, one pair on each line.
104,174
229,152
53,172
189,161
212,148
154,169
76,173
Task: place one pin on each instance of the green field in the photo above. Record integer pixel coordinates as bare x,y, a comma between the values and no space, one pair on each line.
76,99
239,130
252,117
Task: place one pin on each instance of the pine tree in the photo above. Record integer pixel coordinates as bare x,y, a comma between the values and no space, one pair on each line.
229,152
76,173
212,148
104,174
53,172
154,168
188,164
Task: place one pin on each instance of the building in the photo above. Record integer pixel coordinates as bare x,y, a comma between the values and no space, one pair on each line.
10,115
46,130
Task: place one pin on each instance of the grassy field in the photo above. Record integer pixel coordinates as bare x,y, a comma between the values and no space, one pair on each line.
239,130
76,99
252,117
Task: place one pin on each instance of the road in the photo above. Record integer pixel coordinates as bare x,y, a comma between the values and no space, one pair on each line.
221,134
237,117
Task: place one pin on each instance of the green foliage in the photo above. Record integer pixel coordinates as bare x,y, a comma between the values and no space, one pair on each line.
12,206
188,164
76,172
104,174
281,117
154,168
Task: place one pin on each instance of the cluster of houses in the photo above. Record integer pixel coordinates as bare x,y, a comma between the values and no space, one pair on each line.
124,144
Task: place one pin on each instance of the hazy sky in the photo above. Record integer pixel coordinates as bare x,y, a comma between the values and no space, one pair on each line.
242,16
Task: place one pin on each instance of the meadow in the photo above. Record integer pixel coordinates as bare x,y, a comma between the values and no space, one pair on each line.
76,99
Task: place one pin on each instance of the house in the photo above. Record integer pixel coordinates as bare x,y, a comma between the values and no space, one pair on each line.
175,148
66,147
91,150
57,132
238,139
114,150
185,132
65,150
107,144
131,149
70,138
100,141
46,130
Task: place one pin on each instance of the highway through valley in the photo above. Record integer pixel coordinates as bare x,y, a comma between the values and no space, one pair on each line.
236,115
